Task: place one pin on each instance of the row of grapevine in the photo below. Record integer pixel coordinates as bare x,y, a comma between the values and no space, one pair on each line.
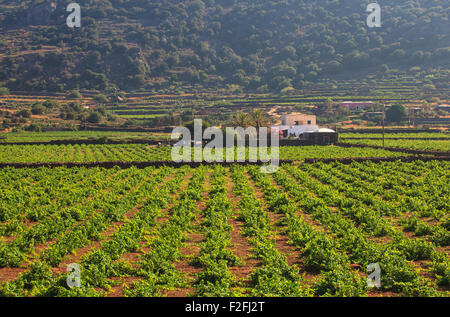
141,152
425,145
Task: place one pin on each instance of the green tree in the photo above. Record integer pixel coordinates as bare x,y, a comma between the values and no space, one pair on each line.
94,117
50,104
258,118
101,98
241,120
396,113
190,126
74,94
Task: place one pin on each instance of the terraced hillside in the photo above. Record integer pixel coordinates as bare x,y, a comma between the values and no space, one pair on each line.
237,45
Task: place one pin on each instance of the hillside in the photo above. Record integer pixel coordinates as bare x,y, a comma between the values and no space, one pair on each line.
264,46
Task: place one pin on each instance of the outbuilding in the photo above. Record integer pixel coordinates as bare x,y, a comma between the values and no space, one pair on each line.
323,136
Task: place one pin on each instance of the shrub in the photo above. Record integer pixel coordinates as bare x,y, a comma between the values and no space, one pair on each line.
37,109
94,117
24,113
74,94
101,98
4,91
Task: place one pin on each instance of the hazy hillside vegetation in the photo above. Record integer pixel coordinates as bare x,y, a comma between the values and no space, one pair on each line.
267,45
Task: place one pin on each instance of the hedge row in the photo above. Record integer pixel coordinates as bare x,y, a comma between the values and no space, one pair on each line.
131,164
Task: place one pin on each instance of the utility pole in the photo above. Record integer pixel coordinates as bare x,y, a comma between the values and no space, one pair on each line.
382,120
409,117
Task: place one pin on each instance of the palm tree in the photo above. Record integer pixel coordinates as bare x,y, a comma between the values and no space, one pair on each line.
259,119
241,120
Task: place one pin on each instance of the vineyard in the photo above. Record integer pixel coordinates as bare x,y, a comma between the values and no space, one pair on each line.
225,156
419,135
306,230
81,153
427,145
72,135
